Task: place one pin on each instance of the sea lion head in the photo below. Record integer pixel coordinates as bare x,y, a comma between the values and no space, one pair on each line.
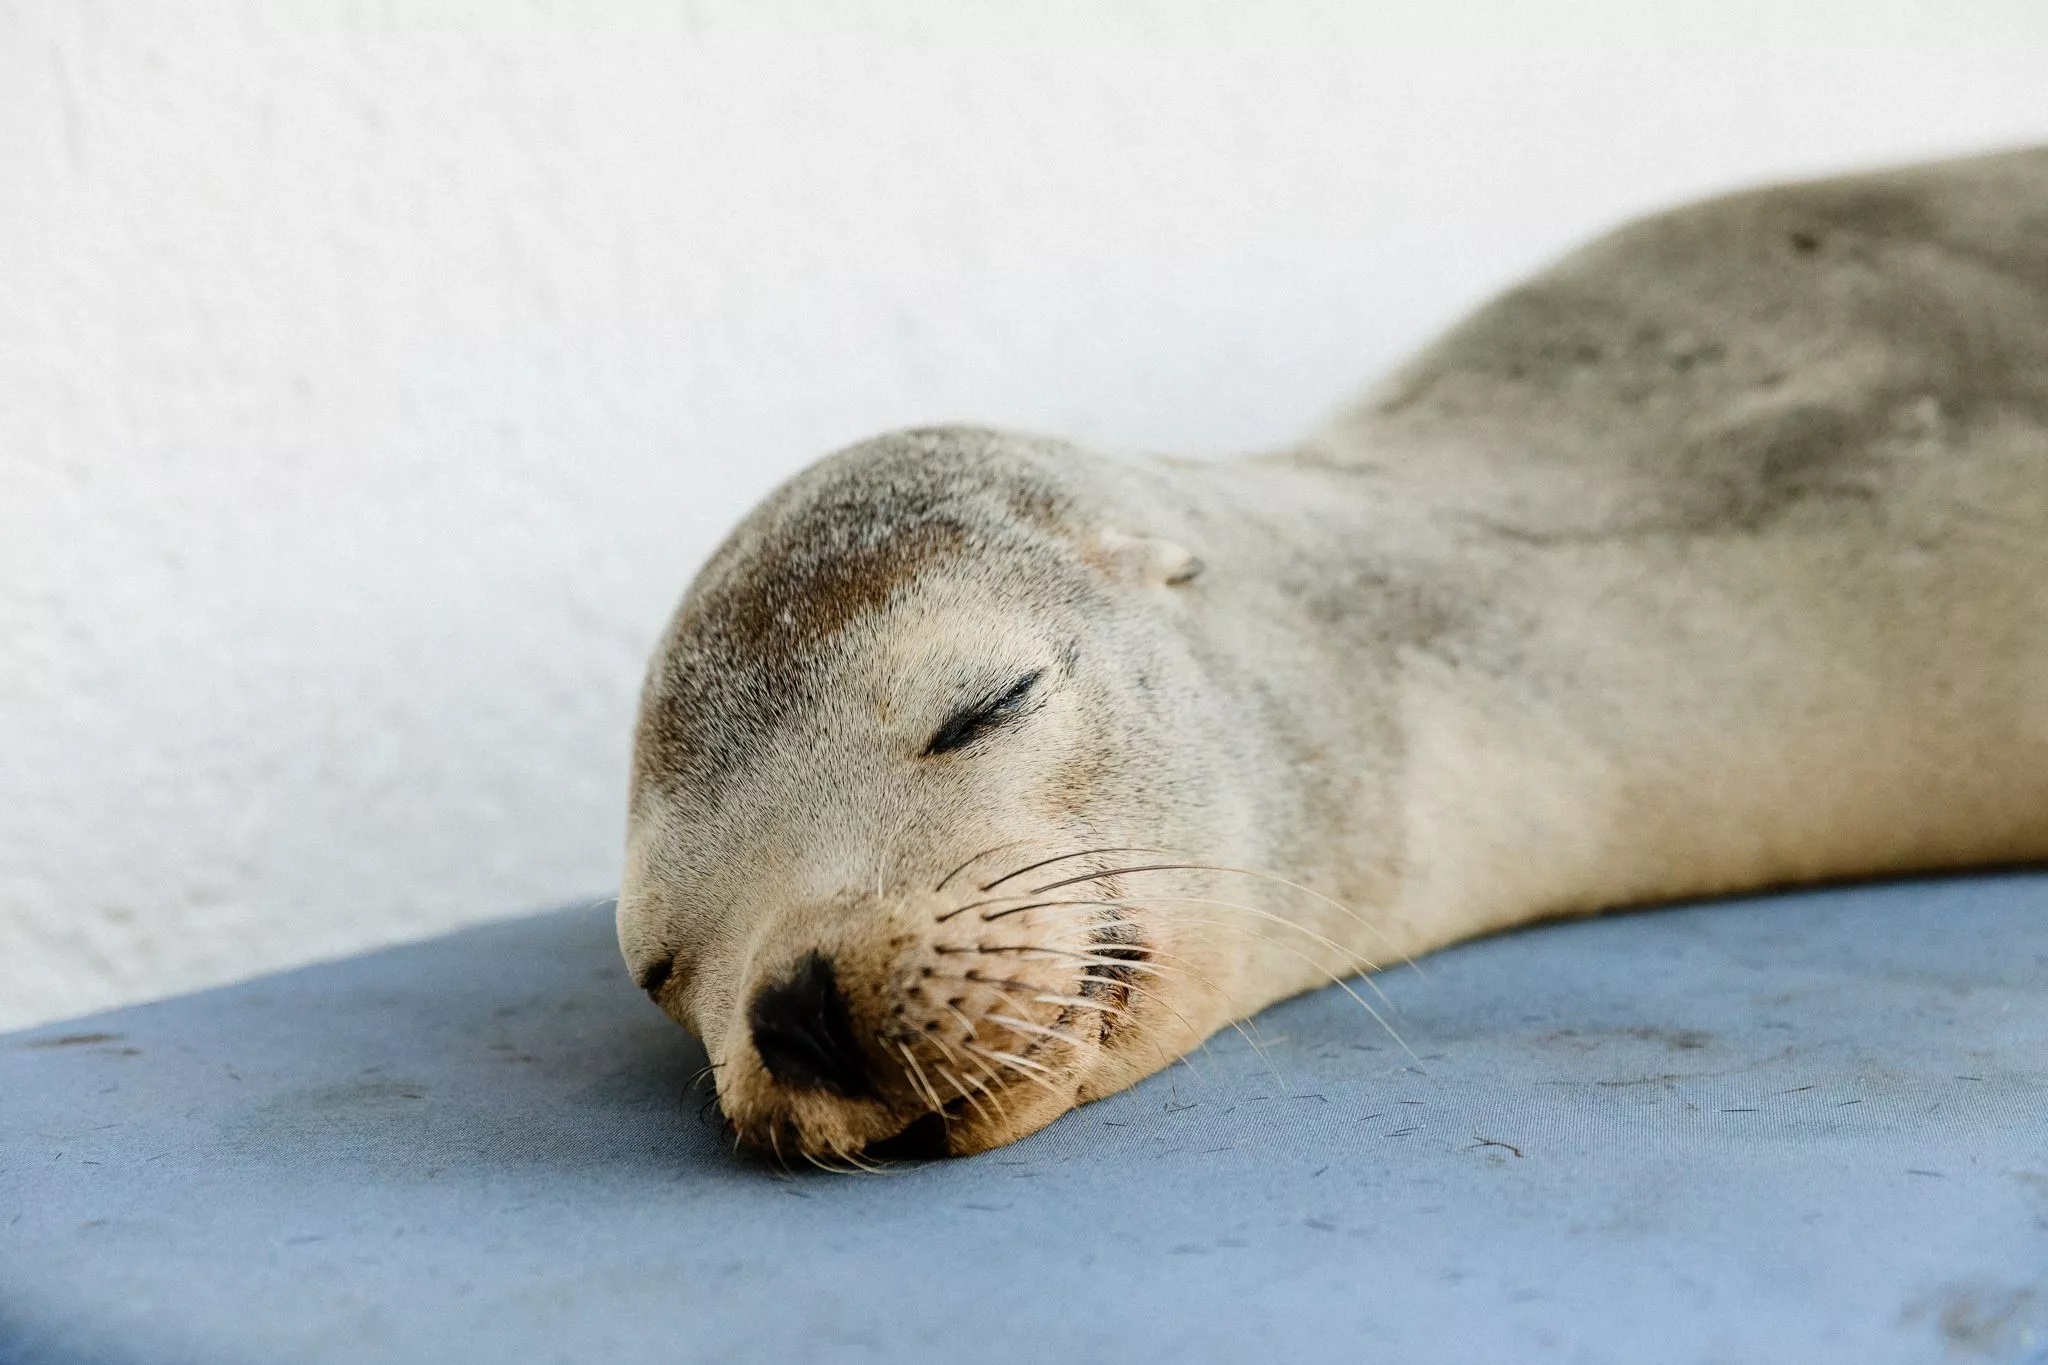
905,728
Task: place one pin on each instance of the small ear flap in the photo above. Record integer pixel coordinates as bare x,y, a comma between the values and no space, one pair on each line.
1142,560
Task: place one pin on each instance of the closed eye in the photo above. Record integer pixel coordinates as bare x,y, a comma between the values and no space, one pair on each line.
972,722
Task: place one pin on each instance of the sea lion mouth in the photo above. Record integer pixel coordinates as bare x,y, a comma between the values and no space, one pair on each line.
928,1138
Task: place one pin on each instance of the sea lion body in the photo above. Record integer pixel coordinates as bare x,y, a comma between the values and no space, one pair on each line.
1713,558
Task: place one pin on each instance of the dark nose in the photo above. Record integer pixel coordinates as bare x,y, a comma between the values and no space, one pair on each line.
805,1035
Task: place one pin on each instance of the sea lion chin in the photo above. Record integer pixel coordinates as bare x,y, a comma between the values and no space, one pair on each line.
978,776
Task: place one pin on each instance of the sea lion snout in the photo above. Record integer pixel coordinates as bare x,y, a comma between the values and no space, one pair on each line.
857,1018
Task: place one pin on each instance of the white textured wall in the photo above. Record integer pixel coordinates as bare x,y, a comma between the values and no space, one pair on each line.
372,377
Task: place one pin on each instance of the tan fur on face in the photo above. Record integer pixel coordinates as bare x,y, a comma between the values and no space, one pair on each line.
1714,558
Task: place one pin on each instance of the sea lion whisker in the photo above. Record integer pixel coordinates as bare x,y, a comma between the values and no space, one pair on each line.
1041,997
1078,1002
885,852
1042,1030
1338,981
1132,988
993,848
990,917
923,1082
991,949
1159,957
961,1063
820,1163
1113,1016
1003,995
1022,1066
1366,964
1147,959
1369,965
1014,1059
1273,877
1097,959
1348,911
1188,971
966,1092
1076,907
1066,857
1026,1026
965,1022
1120,963
995,1082
1067,909
860,1163
938,1040
1001,985
1010,981
1024,896
1119,872
866,1165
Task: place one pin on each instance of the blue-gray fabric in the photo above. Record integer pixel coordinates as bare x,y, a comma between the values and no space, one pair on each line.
1807,1128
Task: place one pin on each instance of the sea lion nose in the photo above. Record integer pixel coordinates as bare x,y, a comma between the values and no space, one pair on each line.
804,1033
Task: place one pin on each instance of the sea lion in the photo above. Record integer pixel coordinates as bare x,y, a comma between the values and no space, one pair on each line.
978,776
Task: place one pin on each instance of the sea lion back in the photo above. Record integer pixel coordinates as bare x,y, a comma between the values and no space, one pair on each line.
1796,351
